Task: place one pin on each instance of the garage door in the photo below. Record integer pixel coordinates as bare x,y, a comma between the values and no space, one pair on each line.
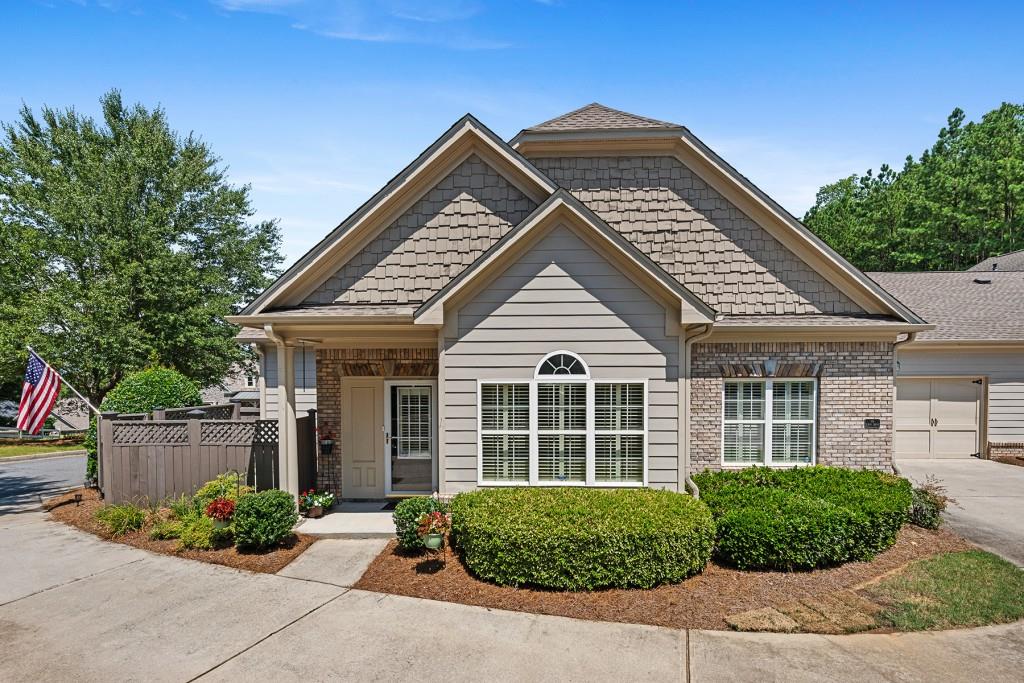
937,418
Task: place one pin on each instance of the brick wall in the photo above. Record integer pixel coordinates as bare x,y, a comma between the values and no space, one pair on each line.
1005,449
855,383
331,366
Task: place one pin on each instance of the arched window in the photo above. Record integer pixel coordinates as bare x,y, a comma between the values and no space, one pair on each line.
562,364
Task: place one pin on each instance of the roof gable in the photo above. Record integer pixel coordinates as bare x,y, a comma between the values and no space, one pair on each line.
466,137
564,209
596,116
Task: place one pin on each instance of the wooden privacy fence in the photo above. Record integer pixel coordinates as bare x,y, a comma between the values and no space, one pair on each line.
148,461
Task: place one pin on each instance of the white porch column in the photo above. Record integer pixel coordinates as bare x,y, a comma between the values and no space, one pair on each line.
289,444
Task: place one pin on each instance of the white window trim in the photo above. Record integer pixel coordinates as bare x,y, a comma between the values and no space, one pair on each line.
549,378
769,382
534,433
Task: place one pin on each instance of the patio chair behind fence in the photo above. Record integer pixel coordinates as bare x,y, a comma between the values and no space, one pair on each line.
149,461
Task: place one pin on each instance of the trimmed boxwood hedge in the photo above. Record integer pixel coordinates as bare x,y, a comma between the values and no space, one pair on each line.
805,517
581,539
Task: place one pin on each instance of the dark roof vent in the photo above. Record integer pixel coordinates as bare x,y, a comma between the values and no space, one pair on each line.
983,280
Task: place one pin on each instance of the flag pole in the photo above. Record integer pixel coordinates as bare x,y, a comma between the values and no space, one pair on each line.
64,381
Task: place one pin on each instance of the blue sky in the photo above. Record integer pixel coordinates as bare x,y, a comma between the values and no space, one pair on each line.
317,104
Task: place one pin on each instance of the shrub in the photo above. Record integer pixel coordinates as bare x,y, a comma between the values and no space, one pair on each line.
220,509
228,485
140,392
582,539
406,516
264,519
803,518
196,533
164,529
929,501
120,519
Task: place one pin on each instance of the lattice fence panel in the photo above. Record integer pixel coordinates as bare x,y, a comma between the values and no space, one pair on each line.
222,411
266,432
146,433
226,432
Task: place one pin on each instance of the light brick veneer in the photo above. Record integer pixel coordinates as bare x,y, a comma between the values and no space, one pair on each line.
331,366
855,384
729,261
1005,449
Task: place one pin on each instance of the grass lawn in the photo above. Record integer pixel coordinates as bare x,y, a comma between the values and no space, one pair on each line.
31,449
950,591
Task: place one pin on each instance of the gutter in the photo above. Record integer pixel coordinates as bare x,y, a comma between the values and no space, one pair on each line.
688,342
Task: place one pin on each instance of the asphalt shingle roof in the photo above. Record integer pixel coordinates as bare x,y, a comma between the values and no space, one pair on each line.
595,116
962,305
1013,260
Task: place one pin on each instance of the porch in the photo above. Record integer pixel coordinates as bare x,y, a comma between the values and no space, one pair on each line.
350,519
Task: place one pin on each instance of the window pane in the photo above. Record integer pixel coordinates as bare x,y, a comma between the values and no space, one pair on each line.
791,443
744,443
562,457
505,407
744,400
793,400
506,457
619,458
618,407
561,407
562,364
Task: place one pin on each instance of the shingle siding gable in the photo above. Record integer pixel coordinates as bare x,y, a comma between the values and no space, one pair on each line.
694,233
432,242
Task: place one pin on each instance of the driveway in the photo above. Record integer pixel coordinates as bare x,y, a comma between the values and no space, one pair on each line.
991,501
22,481
75,607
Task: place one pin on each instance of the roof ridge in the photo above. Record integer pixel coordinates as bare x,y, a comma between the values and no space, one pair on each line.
596,110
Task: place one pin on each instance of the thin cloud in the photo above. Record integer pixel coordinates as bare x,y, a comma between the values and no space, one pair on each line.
443,23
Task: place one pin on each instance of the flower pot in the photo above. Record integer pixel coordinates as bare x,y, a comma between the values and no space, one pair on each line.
220,523
314,512
433,541
326,446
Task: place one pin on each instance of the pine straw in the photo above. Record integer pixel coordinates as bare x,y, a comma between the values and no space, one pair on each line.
703,601
83,516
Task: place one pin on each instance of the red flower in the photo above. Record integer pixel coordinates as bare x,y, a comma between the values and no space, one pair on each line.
220,508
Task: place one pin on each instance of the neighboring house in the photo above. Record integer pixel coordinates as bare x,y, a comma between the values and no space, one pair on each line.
960,387
1013,260
602,301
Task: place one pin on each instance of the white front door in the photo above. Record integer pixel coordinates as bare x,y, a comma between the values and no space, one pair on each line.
410,437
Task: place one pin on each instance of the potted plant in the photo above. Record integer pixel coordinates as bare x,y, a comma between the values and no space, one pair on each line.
326,438
220,511
432,528
325,499
309,504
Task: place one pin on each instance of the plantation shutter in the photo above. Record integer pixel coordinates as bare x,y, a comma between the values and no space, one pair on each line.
562,432
743,434
504,432
619,427
792,422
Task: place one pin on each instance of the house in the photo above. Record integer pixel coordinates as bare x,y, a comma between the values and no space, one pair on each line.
960,387
1013,260
601,301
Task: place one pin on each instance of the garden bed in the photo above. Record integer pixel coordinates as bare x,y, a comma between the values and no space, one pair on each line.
704,601
83,516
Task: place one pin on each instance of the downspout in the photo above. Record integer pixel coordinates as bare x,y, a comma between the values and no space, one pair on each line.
688,482
895,370
282,422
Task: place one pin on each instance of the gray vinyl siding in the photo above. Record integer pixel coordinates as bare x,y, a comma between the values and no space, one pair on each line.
560,295
1005,373
305,381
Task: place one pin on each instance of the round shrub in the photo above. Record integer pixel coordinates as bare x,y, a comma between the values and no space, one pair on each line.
405,515
803,518
264,519
141,392
582,539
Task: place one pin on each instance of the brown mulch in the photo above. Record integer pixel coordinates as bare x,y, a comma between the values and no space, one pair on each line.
1011,460
703,601
83,516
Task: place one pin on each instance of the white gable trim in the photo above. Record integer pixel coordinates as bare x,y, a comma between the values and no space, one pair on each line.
468,136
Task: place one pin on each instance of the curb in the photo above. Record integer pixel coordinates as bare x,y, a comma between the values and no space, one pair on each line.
42,456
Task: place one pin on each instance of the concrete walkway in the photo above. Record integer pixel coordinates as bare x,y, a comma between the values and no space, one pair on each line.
991,501
75,607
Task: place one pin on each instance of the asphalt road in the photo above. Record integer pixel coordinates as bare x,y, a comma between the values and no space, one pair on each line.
22,482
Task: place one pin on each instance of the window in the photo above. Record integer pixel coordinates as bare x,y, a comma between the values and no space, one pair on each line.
768,422
505,432
563,428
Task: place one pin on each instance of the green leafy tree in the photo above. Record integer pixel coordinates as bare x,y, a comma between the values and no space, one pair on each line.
952,207
122,244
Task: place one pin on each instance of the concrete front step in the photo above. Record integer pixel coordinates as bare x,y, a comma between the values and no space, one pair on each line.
350,525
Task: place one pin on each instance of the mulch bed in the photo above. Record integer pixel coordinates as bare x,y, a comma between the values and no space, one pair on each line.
1011,460
83,516
703,601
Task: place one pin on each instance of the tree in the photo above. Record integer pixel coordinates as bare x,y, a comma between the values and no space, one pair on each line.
954,206
123,245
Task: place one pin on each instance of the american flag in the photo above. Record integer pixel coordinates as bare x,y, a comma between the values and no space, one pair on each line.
38,394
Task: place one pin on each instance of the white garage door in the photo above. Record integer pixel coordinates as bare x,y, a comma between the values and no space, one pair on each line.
937,418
